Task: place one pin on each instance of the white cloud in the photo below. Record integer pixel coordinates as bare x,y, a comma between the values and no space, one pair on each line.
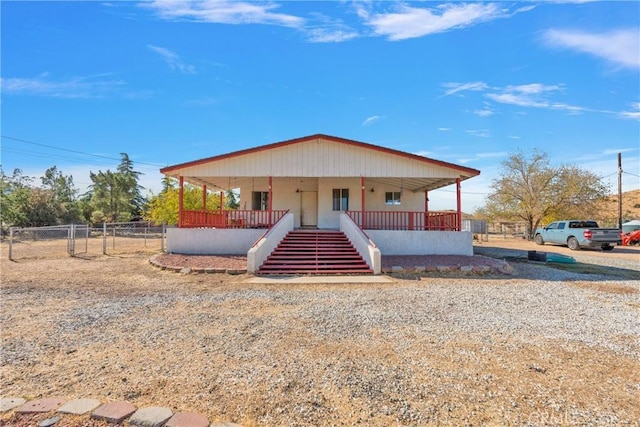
329,35
371,120
486,111
410,22
460,87
173,60
224,12
482,133
74,87
444,129
633,114
620,47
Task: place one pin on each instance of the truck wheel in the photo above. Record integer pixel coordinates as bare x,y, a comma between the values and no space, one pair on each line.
572,242
607,248
538,239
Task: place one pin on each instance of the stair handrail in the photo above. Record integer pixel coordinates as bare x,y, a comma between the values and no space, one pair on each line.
257,253
372,254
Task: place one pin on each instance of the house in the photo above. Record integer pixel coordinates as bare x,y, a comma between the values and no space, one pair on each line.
378,197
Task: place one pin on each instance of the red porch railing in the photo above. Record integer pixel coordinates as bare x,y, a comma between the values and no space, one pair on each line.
420,221
230,219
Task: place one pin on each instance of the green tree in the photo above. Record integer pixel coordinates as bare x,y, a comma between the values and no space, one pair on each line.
163,207
15,197
531,189
63,194
117,196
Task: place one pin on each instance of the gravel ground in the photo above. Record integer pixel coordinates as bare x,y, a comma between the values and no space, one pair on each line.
540,347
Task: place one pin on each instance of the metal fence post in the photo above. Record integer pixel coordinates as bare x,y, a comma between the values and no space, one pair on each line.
104,238
163,235
11,243
72,242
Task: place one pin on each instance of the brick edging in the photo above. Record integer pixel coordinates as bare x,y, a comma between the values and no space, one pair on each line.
200,270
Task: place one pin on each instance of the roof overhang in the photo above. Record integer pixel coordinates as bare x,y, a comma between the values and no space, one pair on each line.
225,182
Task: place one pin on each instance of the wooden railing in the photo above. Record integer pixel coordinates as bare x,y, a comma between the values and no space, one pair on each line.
421,221
230,219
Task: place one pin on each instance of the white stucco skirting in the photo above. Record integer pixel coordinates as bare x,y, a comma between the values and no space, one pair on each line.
211,241
422,242
208,241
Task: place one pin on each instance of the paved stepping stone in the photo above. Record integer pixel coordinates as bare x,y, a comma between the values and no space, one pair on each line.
8,403
114,412
188,419
153,416
40,405
79,406
49,421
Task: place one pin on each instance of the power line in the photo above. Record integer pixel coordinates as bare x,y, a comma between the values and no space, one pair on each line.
73,151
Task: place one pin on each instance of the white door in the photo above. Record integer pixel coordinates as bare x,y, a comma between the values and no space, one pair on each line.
309,208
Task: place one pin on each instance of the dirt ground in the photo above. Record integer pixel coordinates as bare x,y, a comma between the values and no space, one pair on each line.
527,349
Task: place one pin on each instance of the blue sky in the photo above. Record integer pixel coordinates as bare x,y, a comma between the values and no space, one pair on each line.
174,81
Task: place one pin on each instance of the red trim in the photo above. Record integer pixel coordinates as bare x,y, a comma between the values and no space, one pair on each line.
470,171
270,199
204,198
180,201
362,208
459,203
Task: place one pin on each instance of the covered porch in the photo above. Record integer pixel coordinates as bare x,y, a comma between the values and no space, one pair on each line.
304,204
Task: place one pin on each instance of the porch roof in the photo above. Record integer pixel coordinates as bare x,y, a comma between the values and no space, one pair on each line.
321,156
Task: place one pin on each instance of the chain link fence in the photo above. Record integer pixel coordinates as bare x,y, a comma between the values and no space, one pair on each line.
80,239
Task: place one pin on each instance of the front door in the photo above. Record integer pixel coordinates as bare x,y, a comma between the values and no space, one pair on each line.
309,209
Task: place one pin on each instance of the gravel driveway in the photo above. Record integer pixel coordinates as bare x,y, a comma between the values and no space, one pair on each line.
539,347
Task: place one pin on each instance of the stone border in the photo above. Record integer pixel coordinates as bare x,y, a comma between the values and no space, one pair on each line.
198,270
54,409
503,268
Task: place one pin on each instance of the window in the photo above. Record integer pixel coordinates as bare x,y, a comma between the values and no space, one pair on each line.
259,200
340,199
392,198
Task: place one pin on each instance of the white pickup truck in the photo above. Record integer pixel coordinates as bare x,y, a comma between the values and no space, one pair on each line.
578,234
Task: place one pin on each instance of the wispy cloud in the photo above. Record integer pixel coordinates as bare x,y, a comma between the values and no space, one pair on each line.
620,47
371,120
173,60
618,150
482,133
224,12
461,87
532,95
633,114
444,129
486,111
98,86
408,22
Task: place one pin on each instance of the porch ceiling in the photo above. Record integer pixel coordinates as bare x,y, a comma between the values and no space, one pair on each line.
410,184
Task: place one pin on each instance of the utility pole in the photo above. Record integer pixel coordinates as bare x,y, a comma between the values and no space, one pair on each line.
620,191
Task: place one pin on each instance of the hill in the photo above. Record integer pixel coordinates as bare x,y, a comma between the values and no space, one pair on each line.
608,211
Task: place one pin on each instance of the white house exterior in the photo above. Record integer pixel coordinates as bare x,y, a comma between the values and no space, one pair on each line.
316,181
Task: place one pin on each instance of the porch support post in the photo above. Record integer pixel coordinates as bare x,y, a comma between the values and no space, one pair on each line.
180,201
221,200
459,202
204,198
364,221
270,199
426,209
